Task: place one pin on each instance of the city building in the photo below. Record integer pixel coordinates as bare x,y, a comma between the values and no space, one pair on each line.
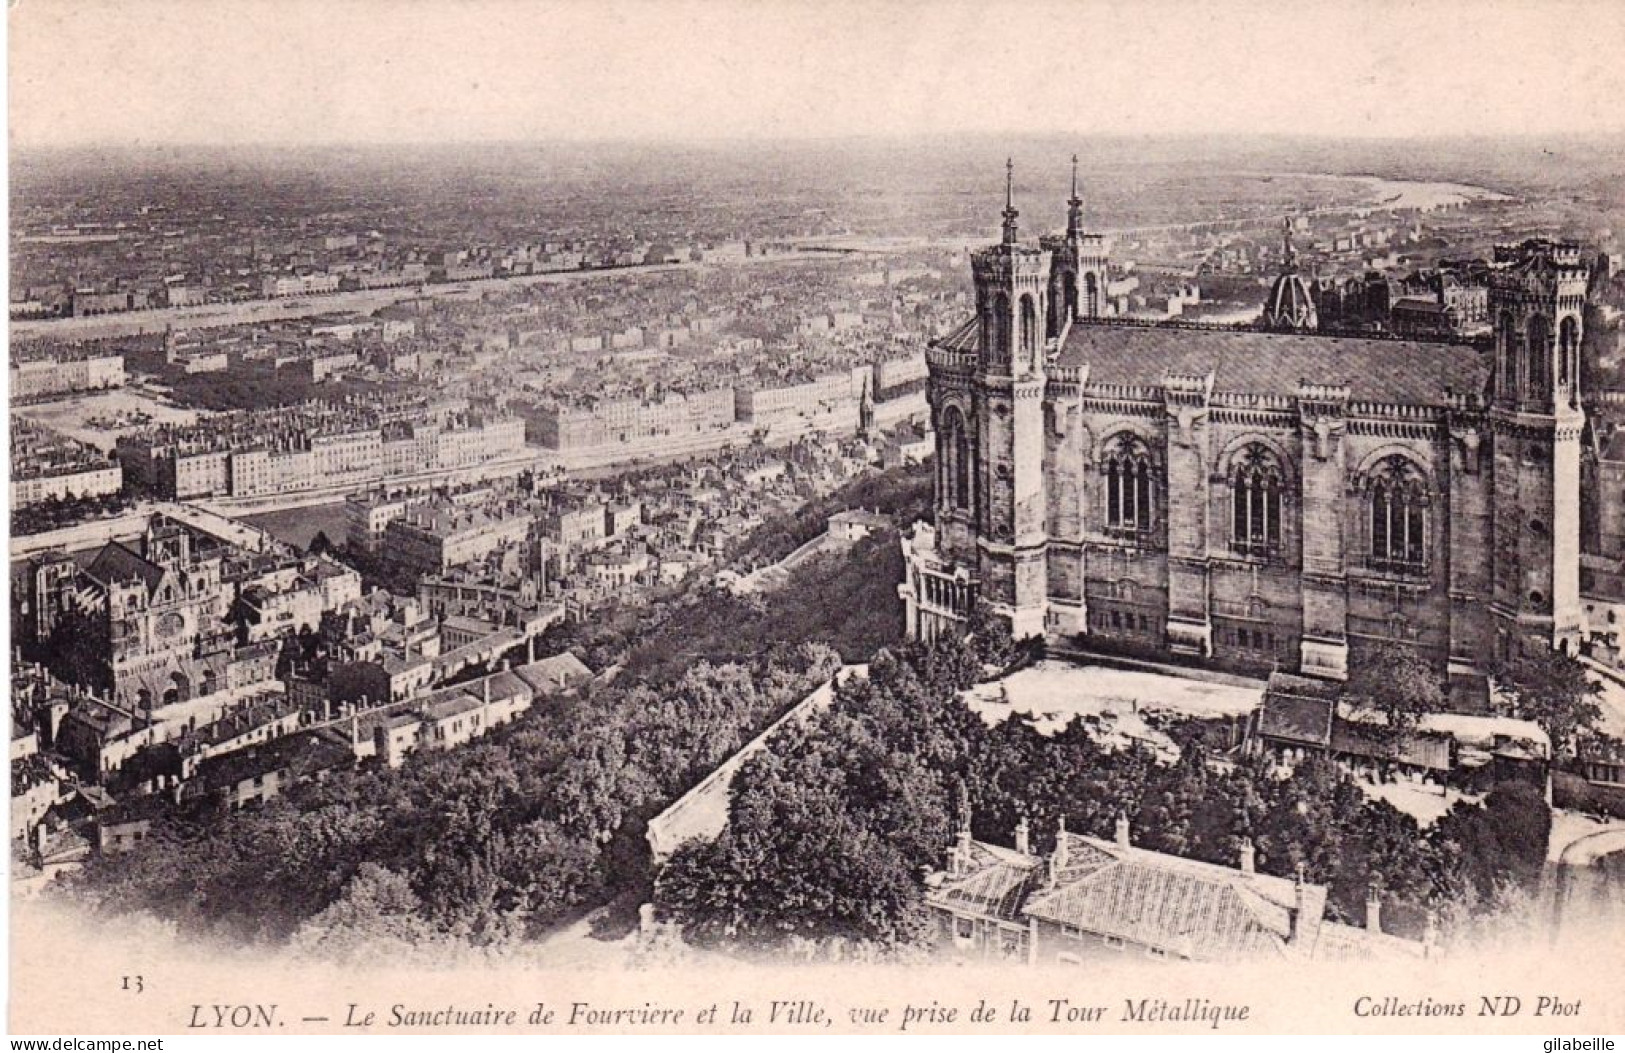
593,423
49,466
434,537
313,445
1302,717
61,371
366,516
1093,901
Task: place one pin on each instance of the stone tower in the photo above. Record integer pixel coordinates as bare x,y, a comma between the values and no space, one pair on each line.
1012,303
1078,277
1537,301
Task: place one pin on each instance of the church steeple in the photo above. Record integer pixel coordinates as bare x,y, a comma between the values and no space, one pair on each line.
1078,273
1074,205
1010,212
1289,258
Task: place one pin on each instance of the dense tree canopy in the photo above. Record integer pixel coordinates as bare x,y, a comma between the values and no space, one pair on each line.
496,841
56,512
1552,689
849,810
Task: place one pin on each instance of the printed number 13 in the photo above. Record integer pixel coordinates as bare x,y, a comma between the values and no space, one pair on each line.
133,983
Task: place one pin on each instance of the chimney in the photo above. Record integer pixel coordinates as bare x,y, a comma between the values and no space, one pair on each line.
1122,830
1023,838
1248,855
485,690
1373,906
1058,859
1295,916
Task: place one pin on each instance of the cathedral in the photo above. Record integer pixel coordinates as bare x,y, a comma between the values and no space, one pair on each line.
1253,498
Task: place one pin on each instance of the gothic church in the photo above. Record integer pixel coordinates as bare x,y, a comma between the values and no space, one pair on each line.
1253,498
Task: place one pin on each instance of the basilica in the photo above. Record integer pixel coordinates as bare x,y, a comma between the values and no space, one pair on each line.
1260,497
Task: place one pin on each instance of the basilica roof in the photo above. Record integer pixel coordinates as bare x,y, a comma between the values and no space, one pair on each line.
1405,372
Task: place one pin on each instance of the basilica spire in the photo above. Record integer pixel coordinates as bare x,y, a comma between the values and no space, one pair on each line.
1289,258
1010,212
1074,204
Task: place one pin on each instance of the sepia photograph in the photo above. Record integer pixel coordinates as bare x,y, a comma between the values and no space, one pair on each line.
807,517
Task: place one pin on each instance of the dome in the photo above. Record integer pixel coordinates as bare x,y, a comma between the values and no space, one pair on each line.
1290,305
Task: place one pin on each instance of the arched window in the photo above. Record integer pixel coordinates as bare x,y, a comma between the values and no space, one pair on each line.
1568,346
1399,500
999,329
1091,296
1070,297
1506,334
1129,475
961,468
1540,351
1256,484
1029,329
955,467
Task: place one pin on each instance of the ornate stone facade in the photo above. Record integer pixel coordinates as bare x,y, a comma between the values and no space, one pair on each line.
1249,498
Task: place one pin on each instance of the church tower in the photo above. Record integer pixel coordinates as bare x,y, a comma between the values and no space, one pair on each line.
1078,276
1012,304
1291,305
1537,301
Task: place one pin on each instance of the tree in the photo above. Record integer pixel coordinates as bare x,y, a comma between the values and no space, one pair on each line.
828,830
1552,689
1502,841
378,916
990,637
1392,687
321,544
818,876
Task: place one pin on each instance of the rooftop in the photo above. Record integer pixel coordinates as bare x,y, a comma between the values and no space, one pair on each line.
1255,362
1182,906
1407,372
452,707
557,673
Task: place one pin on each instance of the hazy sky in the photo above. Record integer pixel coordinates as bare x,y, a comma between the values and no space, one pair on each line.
101,71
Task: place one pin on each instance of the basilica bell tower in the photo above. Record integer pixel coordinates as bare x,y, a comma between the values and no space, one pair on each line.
1077,286
1537,301
1012,305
